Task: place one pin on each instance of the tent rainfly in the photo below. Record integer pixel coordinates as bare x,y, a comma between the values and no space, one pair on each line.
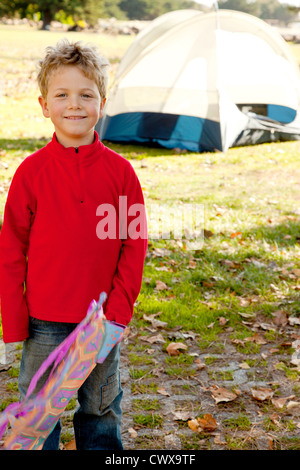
204,82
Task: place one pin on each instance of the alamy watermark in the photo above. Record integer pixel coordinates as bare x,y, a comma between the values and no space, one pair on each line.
177,221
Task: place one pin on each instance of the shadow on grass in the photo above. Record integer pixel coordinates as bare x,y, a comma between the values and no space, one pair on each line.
258,273
127,150
264,254
28,145
286,234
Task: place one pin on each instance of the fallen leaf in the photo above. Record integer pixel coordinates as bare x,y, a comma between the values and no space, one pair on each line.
190,335
244,303
235,234
230,264
193,425
126,332
246,315
132,433
271,443
192,264
207,233
275,419
222,321
222,395
274,288
200,364
294,321
161,252
295,360
174,349
163,391
280,318
262,394
280,402
293,404
265,326
161,285
256,338
182,415
238,341
150,351
154,339
244,365
218,441
162,268
71,445
154,322
207,284
207,423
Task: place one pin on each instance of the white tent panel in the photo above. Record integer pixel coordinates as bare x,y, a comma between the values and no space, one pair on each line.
259,76
187,77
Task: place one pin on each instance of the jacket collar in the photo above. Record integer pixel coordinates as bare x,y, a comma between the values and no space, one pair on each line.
84,153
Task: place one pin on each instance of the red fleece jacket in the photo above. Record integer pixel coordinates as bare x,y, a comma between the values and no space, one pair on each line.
54,257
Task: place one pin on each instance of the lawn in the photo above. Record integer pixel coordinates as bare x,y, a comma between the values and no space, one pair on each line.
248,198
246,262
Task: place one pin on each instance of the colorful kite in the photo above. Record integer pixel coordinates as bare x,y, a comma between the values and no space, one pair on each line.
33,419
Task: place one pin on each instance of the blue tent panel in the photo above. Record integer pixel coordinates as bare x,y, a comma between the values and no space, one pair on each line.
168,130
281,114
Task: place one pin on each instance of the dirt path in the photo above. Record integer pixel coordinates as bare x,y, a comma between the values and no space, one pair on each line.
269,421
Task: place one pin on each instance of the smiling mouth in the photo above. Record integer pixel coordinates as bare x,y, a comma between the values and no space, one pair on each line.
74,118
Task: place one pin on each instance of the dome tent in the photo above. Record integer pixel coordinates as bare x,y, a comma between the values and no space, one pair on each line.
204,82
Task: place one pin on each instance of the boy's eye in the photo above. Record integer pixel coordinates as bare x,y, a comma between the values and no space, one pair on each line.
64,95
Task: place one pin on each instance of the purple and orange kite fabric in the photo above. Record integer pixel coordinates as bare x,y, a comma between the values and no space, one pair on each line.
33,419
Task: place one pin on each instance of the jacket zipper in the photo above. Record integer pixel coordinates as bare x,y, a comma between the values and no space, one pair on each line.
80,178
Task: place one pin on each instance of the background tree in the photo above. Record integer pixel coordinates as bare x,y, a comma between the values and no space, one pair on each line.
150,9
240,5
11,7
264,9
46,8
92,10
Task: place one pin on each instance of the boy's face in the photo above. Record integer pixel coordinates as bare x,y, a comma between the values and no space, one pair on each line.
73,104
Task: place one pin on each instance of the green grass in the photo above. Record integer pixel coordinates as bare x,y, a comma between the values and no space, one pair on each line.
242,422
244,268
149,420
241,191
250,200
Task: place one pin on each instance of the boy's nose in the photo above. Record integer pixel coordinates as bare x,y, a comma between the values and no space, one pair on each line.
74,102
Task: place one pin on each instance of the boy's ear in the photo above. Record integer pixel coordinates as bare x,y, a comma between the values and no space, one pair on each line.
44,106
102,108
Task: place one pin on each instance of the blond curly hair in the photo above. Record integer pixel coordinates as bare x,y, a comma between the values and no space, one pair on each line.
87,57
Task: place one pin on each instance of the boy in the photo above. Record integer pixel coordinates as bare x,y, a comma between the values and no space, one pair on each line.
54,243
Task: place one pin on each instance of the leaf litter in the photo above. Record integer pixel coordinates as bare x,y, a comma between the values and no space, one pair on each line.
194,406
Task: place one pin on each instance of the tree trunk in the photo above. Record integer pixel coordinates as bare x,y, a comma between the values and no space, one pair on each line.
47,18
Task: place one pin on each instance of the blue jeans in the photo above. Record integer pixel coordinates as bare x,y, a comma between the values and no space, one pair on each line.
97,421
